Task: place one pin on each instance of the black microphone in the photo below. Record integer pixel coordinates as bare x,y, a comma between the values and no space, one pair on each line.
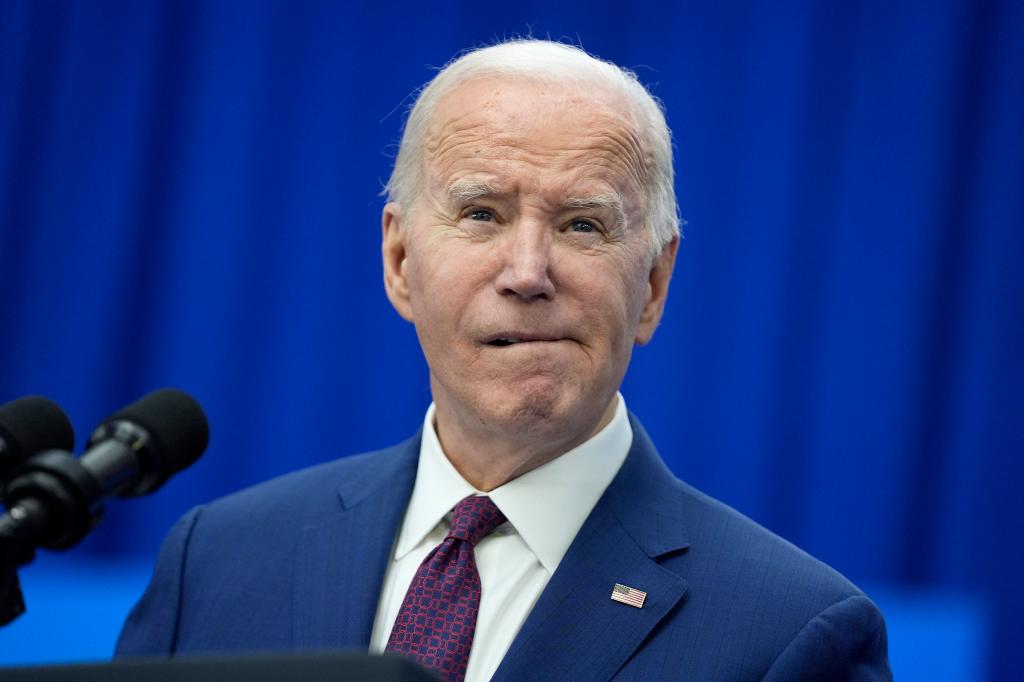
28,426
138,448
54,500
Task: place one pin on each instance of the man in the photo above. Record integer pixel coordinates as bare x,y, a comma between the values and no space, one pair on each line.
530,531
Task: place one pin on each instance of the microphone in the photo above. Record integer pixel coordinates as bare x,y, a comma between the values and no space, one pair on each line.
55,499
138,448
29,426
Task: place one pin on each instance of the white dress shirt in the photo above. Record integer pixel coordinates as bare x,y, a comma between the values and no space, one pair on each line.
545,508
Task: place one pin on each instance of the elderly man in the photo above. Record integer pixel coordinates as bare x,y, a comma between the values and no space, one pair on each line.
530,531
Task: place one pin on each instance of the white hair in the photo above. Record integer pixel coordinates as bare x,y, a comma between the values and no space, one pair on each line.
548,61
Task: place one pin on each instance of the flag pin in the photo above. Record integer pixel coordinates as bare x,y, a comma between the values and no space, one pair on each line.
628,595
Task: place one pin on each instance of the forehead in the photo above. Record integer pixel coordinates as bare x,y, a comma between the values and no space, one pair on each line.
512,130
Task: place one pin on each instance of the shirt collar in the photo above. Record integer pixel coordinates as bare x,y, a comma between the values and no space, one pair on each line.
564,490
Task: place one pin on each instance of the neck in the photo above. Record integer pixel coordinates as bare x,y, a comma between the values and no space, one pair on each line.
490,457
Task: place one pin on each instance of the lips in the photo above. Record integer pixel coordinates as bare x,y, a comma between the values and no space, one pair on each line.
512,338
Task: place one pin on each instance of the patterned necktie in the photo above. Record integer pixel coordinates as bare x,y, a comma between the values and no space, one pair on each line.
437,620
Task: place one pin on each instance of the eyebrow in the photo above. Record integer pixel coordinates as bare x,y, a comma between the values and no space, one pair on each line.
467,190
610,200
474,189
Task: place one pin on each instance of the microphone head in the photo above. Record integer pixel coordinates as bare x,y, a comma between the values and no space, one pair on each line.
176,430
31,425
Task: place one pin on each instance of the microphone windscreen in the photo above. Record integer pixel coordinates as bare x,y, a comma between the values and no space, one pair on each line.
176,425
34,424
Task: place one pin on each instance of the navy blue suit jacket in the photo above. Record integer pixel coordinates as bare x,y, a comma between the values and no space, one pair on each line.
298,563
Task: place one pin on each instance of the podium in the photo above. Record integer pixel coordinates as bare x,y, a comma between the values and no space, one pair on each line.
313,667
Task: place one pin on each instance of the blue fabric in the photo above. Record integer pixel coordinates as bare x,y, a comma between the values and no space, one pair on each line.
289,565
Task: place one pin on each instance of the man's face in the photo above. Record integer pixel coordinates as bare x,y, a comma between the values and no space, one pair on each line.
524,263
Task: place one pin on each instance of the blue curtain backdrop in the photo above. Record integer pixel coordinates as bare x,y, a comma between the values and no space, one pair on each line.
189,197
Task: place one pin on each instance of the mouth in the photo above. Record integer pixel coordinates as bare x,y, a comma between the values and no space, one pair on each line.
505,339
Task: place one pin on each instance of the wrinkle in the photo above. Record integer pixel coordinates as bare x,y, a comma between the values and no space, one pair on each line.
606,140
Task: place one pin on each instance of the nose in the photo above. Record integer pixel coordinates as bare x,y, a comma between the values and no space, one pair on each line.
526,268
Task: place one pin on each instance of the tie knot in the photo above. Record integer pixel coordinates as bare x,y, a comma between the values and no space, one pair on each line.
473,518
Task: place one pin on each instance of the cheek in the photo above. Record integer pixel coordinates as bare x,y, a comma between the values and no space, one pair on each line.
615,297
442,283
635,284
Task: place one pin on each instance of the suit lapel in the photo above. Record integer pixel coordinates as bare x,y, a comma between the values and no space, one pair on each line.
342,558
576,631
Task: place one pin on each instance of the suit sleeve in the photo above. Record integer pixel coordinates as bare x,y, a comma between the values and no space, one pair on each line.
152,626
846,641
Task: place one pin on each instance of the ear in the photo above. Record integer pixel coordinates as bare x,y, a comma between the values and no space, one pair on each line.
393,250
657,291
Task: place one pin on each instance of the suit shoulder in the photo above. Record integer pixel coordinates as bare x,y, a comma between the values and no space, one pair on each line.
727,556
741,545
761,602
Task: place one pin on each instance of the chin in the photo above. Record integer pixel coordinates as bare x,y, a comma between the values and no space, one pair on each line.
537,408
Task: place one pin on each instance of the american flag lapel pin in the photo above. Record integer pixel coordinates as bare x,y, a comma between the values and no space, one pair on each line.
628,595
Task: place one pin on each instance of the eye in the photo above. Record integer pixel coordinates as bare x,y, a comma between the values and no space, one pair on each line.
481,214
580,225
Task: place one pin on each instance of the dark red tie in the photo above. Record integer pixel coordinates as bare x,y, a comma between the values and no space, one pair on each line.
437,620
